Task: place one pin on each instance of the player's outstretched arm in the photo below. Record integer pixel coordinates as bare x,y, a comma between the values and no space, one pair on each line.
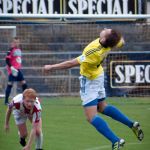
35,128
7,118
64,65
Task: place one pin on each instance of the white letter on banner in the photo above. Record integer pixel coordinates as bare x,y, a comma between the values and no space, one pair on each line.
1,11
118,69
99,6
82,5
109,6
125,6
7,5
34,6
139,74
129,72
91,6
147,73
17,6
42,7
117,7
72,7
24,6
50,6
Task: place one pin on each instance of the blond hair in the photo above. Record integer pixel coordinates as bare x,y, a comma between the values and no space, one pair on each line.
30,93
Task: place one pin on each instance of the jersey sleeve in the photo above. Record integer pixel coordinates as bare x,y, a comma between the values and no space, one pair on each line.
81,59
86,59
37,111
36,116
11,104
14,104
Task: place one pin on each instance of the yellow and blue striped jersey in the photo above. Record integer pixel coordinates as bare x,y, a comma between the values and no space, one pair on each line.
92,58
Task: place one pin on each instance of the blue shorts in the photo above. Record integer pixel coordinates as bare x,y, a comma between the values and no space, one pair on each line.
94,102
20,77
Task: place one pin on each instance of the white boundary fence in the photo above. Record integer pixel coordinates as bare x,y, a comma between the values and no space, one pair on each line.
77,16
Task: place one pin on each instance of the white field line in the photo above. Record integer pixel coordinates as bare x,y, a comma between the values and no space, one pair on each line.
108,146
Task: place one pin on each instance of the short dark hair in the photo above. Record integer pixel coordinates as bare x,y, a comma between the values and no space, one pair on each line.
16,38
112,39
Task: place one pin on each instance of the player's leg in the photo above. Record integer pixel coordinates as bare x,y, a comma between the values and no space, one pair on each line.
136,128
21,124
101,126
8,89
39,137
22,80
22,131
116,114
24,85
90,90
7,93
110,110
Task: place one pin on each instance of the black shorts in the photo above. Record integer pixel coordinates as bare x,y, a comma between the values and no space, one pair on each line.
20,77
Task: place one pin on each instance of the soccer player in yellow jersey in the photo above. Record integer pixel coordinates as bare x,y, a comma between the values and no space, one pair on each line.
92,89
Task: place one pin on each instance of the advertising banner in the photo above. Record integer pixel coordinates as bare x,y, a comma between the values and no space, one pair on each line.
128,73
72,6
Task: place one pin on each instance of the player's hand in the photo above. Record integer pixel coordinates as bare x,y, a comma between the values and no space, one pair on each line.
121,43
47,68
14,71
6,127
26,148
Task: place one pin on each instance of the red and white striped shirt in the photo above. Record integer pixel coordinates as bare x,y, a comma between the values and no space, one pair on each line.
18,105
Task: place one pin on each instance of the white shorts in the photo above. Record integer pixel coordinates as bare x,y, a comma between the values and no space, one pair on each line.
91,89
19,119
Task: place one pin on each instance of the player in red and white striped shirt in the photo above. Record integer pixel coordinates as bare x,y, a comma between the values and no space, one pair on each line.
26,106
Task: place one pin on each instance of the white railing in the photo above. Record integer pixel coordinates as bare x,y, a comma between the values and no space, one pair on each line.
13,28
78,16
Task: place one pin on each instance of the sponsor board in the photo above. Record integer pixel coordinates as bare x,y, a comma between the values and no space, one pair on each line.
130,74
72,6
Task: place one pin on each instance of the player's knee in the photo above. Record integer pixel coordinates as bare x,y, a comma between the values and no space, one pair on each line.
9,87
101,107
89,118
38,132
100,110
89,114
24,135
10,84
24,86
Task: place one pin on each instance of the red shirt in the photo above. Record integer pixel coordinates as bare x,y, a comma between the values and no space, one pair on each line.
15,58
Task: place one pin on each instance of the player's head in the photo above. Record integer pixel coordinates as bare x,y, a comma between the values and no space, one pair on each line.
29,97
15,42
111,38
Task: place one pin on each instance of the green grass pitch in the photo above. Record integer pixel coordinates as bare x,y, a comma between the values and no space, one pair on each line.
65,127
